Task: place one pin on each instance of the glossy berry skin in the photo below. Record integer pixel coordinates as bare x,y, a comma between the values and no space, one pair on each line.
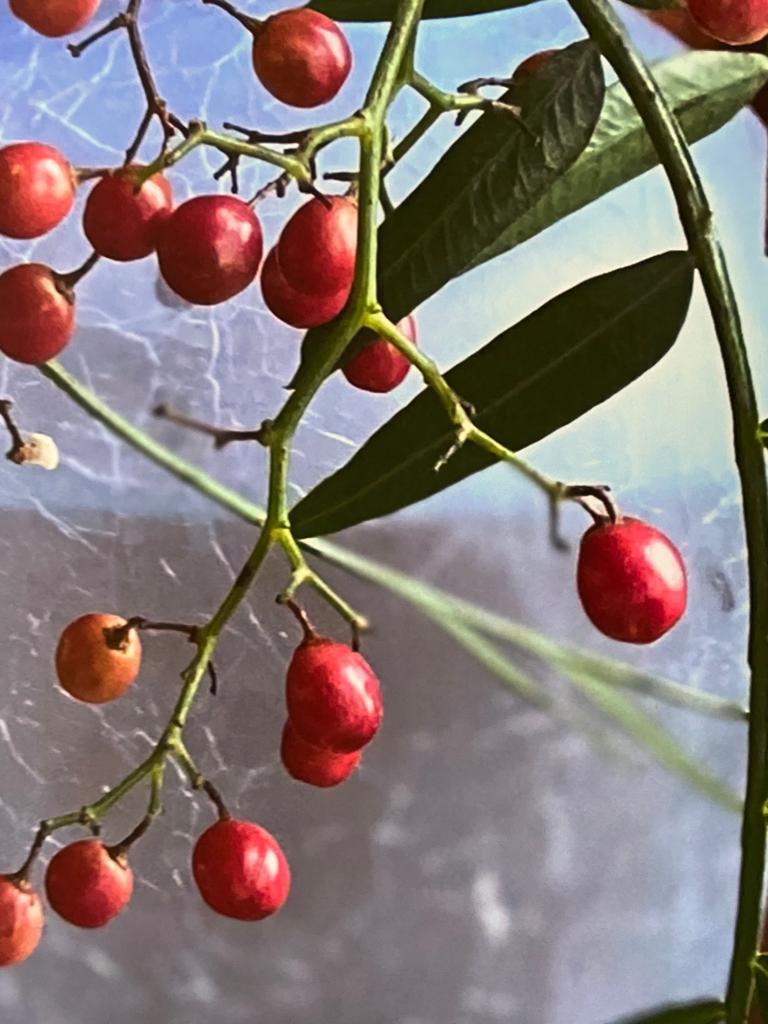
290,305
631,580
314,765
86,885
240,870
531,65
37,314
21,921
333,696
37,189
91,670
121,223
317,248
55,17
301,57
380,367
736,22
210,249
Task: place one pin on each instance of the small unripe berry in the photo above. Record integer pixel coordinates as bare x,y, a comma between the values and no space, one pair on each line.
737,22
379,366
37,189
631,580
240,870
301,57
293,307
210,248
55,17
333,696
87,885
317,766
317,248
527,68
121,223
21,921
93,664
37,313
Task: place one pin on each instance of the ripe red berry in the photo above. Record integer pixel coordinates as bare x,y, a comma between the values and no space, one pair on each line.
121,223
240,870
317,766
301,57
55,17
293,307
333,695
21,921
379,366
94,666
210,248
86,885
317,248
631,580
737,22
37,189
528,68
37,313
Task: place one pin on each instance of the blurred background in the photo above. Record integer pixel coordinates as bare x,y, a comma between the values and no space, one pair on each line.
487,864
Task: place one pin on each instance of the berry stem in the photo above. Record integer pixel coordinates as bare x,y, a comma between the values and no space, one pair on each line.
113,25
69,280
251,24
605,27
198,781
153,811
299,613
221,435
17,441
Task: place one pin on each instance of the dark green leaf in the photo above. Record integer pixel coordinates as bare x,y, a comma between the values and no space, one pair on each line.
489,177
575,352
760,971
383,10
704,89
707,1012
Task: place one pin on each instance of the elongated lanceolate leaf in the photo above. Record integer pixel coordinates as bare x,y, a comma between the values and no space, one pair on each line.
575,352
384,10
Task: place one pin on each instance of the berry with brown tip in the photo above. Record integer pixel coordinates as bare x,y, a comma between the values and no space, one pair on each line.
317,766
21,920
317,248
737,22
631,580
528,68
97,659
55,18
210,249
379,366
37,189
240,870
37,313
121,223
292,306
88,885
301,57
333,695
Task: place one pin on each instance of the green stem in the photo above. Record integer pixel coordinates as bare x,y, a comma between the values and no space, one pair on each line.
695,214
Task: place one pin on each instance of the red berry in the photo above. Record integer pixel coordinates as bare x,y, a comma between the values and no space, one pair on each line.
240,870
89,666
631,580
55,17
316,766
37,189
301,57
86,885
21,921
210,248
737,22
121,223
317,248
333,695
529,67
291,306
380,367
37,313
